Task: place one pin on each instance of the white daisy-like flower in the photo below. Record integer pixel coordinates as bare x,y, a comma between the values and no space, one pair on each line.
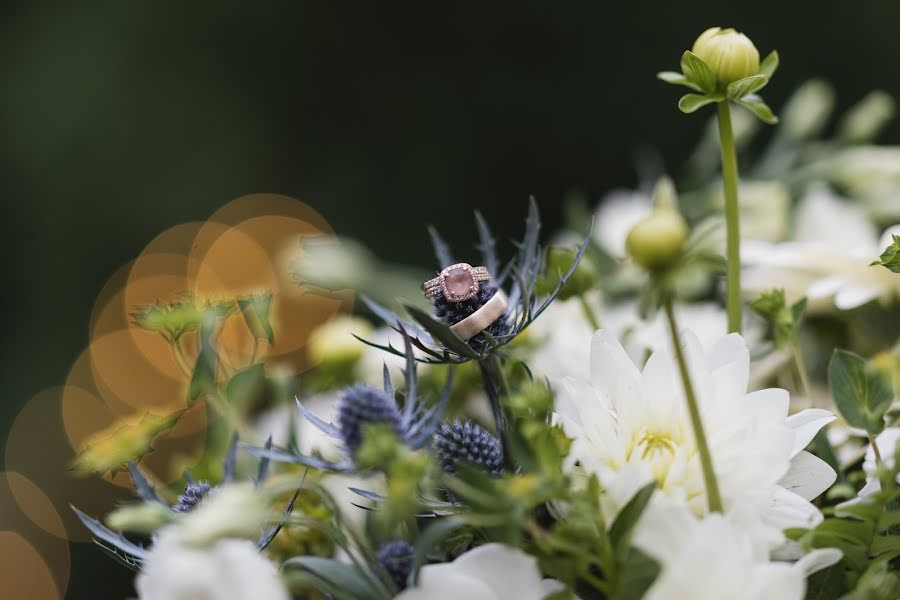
229,570
564,348
713,558
630,427
828,261
489,572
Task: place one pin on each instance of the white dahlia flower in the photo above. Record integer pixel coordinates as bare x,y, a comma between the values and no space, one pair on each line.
630,427
713,558
489,572
228,570
828,261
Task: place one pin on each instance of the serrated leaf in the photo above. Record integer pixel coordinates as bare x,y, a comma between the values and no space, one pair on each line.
692,102
861,394
441,249
758,107
890,258
676,78
748,85
769,64
698,72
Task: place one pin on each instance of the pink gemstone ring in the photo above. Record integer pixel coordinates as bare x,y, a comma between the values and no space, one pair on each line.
457,282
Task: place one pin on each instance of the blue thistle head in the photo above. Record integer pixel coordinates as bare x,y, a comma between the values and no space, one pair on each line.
396,557
454,312
361,405
193,494
469,443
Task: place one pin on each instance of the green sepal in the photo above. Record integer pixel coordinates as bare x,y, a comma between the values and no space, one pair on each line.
256,309
676,78
748,85
758,107
691,102
698,72
769,64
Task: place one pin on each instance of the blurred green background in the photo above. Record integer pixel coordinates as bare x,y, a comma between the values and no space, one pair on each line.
120,119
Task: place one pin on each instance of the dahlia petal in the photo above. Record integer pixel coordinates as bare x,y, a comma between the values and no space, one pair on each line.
769,405
855,296
790,510
444,582
612,371
806,424
509,573
818,559
808,476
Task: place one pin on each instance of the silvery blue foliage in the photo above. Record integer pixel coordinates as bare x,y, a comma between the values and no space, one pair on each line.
414,422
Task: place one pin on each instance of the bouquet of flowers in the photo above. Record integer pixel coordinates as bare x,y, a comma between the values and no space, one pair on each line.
690,393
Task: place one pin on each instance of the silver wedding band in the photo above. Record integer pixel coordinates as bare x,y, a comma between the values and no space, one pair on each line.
482,318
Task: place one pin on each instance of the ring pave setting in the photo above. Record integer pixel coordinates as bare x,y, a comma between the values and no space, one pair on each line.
457,282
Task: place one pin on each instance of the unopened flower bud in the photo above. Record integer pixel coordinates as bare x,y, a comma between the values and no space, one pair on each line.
145,517
730,55
658,239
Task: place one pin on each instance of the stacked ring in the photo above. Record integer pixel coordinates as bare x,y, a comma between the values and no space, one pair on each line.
457,282
482,318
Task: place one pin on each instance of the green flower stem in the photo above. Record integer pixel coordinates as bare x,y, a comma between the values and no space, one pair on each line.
801,371
589,313
732,217
709,475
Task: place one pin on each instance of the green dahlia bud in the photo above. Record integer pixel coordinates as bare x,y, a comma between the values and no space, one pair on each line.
657,240
730,55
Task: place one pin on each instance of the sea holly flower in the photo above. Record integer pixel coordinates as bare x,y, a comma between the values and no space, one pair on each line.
468,443
489,572
724,65
519,278
361,407
396,557
630,427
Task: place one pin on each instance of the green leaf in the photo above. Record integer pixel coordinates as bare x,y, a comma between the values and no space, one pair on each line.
890,258
203,378
676,78
742,87
620,530
758,107
441,333
769,64
345,577
637,572
698,72
256,309
785,320
691,102
428,539
860,393
246,387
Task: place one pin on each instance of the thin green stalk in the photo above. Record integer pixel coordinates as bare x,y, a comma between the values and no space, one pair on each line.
709,475
801,371
732,217
589,313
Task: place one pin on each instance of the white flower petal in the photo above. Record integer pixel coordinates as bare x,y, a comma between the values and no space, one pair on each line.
806,424
818,559
612,372
790,510
444,582
509,573
854,296
808,476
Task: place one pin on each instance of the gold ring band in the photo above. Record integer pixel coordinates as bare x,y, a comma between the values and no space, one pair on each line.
482,318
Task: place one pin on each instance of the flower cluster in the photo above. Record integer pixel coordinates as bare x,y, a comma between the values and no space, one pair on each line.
626,423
